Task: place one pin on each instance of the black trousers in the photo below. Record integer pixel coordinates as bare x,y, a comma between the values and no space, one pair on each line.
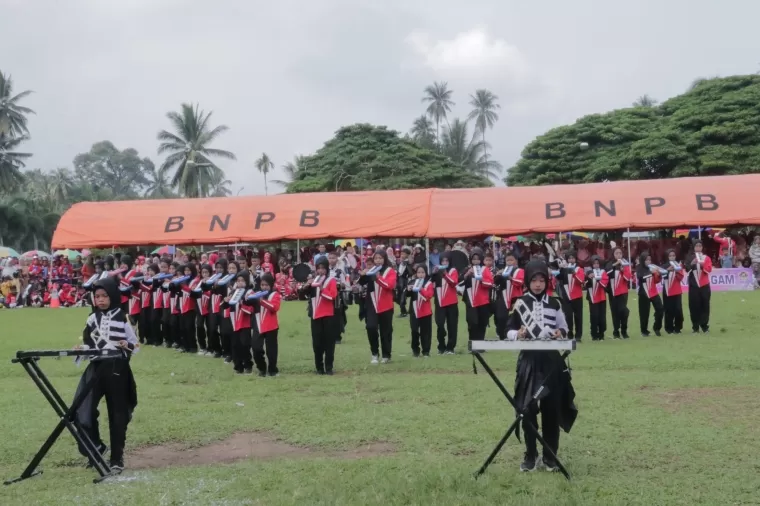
573,310
422,333
241,349
549,407
214,341
401,298
156,330
175,334
323,337
200,330
673,306
699,307
225,333
265,350
144,329
598,319
644,303
381,335
447,318
166,323
113,384
187,324
619,311
477,321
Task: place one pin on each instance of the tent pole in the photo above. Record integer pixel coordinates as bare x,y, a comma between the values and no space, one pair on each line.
699,232
427,250
298,250
629,245
112,249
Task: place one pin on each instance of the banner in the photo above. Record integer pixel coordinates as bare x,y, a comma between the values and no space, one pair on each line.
726,280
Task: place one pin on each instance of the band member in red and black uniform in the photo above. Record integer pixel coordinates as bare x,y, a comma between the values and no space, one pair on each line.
167,296
146,311
188,309
239,317
381,284
202,318
325,320
509,287
175,304
130,294
220,348
157,299
421,291
672,292
343,287
700,266
478,281
571,279
620,275
446,279
403,273
597,281
266,326
226,326
649,277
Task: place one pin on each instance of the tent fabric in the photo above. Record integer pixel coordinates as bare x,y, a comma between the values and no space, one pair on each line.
639,205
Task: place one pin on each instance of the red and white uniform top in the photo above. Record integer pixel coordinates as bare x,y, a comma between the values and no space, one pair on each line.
422,300
204,300
447,292
702,270
240,315
650,284
671,285
574,282
145,296
186,300
134,295
382,295
479,292
266,316
620,279
323,301
597,290
158,296
514,287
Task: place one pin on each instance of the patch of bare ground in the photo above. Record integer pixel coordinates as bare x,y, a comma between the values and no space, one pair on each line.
242,446
720,405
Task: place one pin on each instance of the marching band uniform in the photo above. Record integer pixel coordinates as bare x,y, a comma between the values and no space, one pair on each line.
571,279
157,298
340,303
648,294
672,303
167,328
218,343
699,291
379,309
146,313
266,329
187,312
597,300
620,276
175,307
130,295
226,326
542,368
509,288
402,279
240,323
446,279
202,324
325,323
477,299
421,315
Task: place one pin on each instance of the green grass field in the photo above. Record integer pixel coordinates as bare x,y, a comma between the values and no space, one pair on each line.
670,420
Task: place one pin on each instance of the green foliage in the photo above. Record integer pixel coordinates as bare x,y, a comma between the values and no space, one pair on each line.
264,165
12,115
11,163
367,157
712,129
469,153
123,173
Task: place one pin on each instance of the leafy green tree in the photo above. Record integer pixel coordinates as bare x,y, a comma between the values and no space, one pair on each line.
11,163
158,186
265,165
290,169
422,132
12,115
484,107
123,173
712,129
438,96
367,157
189,153
468,152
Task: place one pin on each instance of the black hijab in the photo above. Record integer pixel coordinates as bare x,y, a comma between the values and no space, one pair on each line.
111,288
536,268
642,270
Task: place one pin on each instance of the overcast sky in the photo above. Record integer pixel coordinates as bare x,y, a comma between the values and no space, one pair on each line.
285,75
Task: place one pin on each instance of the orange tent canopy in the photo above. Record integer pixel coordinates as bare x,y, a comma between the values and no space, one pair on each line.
651,204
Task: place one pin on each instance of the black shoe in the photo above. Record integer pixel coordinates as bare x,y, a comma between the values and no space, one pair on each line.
616,335
227,360
695,331
426,355
320,373
657,333
117,466
262,374
550,464
238,372
416,354
645,334
528,463
217,355
403,315
329,373
441,352
625,335
142,341
676,332
601,338
168,345
103,450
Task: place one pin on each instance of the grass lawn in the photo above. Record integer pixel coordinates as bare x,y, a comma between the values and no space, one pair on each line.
670,420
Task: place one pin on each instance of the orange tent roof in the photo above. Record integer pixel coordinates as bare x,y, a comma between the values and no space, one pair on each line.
651,204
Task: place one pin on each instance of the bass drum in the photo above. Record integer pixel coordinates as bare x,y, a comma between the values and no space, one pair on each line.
301,272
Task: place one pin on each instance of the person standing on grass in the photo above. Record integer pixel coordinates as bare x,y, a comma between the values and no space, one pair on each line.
341,279
446,279
571,278
672,294
700,266
542,368
509,285
620,275
421,291
649,277
107,328
266,327
188,310
597,281
478,281
322,292
240,320
380,283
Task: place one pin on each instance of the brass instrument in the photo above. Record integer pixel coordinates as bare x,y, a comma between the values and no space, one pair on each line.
237,296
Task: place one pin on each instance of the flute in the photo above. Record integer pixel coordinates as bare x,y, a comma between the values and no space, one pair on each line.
237,296
374,270
477,272
91,281
157,277
656,268
179,281
418,284
317,282
226,279
676,266
210,281
507,271
257,295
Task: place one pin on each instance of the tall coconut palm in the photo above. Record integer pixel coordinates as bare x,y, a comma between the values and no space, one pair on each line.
468,152
11,163
189,151
484,113
159,186
645,101
265,165
221,189
61,185
438,96
12,115
290,169
422,132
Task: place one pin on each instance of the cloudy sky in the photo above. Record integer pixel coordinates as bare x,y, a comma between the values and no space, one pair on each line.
285,75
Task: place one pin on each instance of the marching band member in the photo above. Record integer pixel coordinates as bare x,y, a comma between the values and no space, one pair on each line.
649,277
421,291
218,343
266,327
202,297
342,284
478,282
166,303
509,286
403,273
571,278
542,368
620,275
130,295
672,294
446,279
157,333
239,316
325,322
380,282
700,267
597,282
187,310
175,307
267,266
226,326
146,311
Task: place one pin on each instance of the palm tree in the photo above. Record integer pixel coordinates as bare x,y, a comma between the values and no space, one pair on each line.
12,115
645,101
61,185
291,171
159,186
221,189
439,101
264,164
422,132
484,113
11,163
468,153
189,151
